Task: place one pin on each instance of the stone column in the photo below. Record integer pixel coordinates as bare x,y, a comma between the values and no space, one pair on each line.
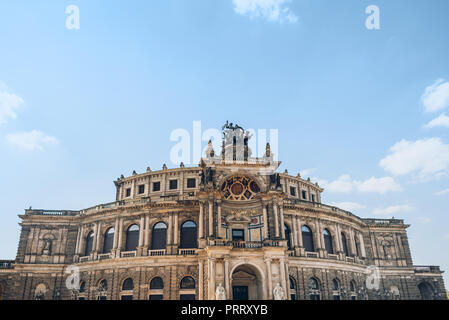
265,222
212,279
269,284
218,219
362,246
170,229
211,218
147,231
276,220
299,232
78,236
94,244
227,282
81,241
283,280
352,242
120,235
200,280
281,214
201,221
116,231
295,231
175,229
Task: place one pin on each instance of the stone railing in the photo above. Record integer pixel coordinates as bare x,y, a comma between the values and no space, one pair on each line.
84,259
311,254
187,252
128,254
160,252
383,222
7,264
41,212
427,269
319,205
246,244
104,256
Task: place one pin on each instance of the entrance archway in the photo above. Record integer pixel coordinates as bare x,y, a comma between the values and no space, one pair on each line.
247,283
426,291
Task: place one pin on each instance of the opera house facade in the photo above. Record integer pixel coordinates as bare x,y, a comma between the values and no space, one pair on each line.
232,228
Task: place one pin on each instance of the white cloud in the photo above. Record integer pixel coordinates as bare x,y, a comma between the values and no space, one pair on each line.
378,185
271,10
428,157
392,210
436,96
9,103
30,141
442,192
344,184
348,206
423,219
441,121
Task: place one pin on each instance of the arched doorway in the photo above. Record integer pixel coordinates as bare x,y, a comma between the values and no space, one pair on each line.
247,283
426,291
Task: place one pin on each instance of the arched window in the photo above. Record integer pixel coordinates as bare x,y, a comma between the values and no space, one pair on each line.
314,289
187,287
336,289
108,240
292,288
83,287
89,243
102,289
352,290
132,238
287,236
127,289
188,235
156,289
307,239
159,237
328,241
345,244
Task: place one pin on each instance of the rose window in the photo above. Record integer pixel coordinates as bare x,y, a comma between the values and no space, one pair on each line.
239,188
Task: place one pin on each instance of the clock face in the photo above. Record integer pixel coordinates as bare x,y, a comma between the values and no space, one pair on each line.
240,188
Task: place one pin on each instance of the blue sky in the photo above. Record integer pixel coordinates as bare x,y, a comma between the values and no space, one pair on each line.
364,112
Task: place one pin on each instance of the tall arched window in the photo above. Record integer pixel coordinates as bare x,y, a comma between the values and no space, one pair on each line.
314,289
426,290
132,238
102,289
187,289
156,289
336,289
287,236
352,290
345,244
328,241
159,237
292,288
188,235
89,243
307,239
108,240
127,289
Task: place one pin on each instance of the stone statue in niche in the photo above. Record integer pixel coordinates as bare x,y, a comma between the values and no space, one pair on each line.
275,181
278,292
46,251
220,293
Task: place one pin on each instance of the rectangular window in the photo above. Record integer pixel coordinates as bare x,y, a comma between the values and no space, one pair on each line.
141,189
128,192
173,184
293,191
156,186
238,235
313,198
304,195
191,183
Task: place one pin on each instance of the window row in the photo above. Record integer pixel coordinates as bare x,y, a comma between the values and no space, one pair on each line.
187,288
188,239
304,194
315,290
309,245
156,186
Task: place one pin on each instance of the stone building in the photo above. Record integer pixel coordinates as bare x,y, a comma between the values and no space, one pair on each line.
231,228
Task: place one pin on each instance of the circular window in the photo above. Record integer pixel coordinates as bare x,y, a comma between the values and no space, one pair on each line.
239,188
